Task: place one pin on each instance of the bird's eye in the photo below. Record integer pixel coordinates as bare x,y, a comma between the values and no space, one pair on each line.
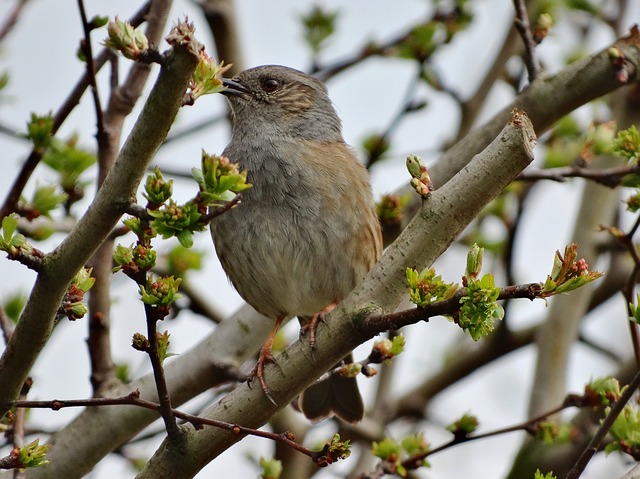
270,85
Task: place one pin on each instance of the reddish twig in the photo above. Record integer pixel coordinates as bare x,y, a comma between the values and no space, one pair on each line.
165,409
215,212
31,259
529,426
133,399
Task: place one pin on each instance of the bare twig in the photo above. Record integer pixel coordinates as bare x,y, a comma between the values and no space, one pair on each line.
5,325
530,426
61,115
408,105
611,177
203,125
524,29
375,49
471,108
629,288
12,19
166,411
133,399
85,45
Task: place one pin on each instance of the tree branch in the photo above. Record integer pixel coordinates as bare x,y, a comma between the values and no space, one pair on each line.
445,214
119,107
63,112
117,425
12,19
210,363
119,188
603,430
547,100
524,29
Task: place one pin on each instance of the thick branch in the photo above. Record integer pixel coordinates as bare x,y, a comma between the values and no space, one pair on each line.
119,107
117,192
61,115
444,215
207,365
119,424
545,101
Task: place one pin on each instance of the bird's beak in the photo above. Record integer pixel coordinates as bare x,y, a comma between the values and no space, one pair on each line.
233,88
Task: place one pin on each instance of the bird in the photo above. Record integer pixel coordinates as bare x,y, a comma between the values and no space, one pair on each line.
306,232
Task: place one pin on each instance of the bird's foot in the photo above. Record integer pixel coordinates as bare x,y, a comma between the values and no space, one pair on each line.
264,358
316,319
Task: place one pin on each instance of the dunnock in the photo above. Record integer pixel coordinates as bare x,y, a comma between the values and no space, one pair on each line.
306,233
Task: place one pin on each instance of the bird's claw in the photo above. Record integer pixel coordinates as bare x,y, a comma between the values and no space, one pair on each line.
312,325
258,372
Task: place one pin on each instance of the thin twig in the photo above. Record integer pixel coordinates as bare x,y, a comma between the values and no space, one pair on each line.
408,105
513,228
214,213
611,177
448,306
594,445
629,288
12,19
133,399
524,29
324,73
530,426
166,411
72,100
197,127
85,45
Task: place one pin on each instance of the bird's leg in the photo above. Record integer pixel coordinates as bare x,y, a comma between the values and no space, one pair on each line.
265,357
314,321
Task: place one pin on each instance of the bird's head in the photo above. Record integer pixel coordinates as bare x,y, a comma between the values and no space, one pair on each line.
275,98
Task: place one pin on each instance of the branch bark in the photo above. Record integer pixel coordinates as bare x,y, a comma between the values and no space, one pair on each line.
545,101
120,105
75,449
118,191
117,425
444,215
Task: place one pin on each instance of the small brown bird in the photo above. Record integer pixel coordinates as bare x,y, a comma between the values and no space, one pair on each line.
306,233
